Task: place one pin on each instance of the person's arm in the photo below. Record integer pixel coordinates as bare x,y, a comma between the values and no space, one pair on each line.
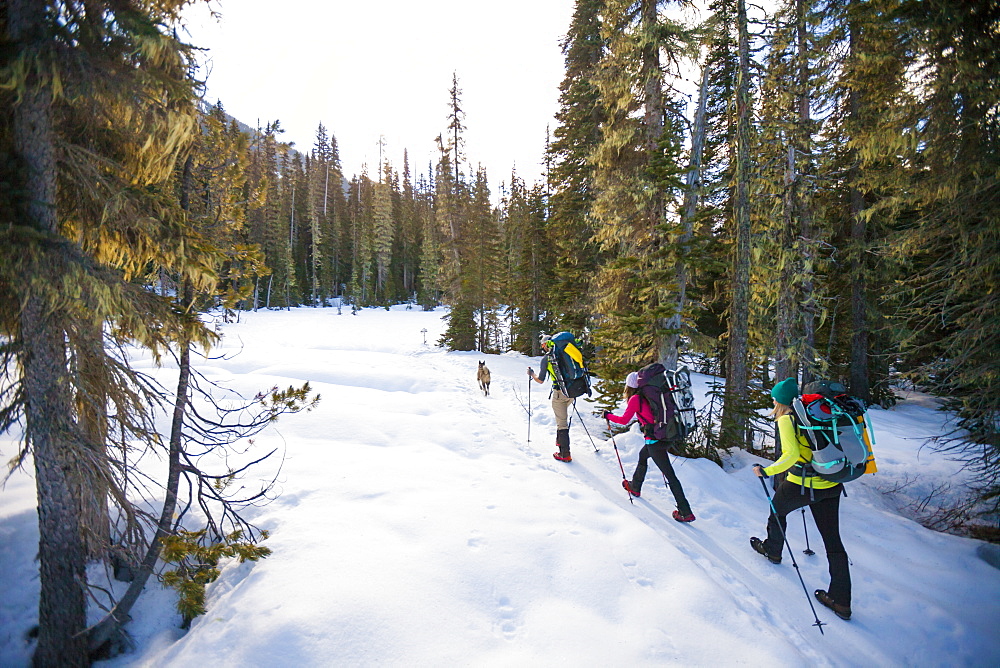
543,371
630,410
789,447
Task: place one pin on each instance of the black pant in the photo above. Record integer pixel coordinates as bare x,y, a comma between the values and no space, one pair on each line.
659,452
825,507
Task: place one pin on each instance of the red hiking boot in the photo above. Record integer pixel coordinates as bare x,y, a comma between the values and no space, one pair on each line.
682,518
561,457
628,488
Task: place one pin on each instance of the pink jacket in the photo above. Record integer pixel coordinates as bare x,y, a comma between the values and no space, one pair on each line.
639,409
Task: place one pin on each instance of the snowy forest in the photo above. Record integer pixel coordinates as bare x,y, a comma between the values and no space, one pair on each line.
811,192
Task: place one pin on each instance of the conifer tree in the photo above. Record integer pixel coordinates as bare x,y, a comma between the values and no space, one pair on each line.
269,222
360,209
944,204
410,231
109,85
336,236
865,97
217,205
319,186
734,415
530,264
714,226
637,177
485,266
431,257
571,180
383,232
685,262
452,214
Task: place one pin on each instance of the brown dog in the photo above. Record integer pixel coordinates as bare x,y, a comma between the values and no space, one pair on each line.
483,376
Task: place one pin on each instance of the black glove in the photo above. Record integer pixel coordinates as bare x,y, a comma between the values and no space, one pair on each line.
606,414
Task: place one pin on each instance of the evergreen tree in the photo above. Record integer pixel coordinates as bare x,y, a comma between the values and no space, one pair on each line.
452,214
109,85
571,180
485,266
410,231
637,178
430,248
530,261
865,98
319,187
709,286
734,416
216,208
383,231
945,206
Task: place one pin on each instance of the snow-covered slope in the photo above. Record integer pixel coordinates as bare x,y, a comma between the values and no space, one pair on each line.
419,526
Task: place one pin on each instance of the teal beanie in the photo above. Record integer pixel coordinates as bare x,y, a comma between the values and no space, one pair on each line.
785,391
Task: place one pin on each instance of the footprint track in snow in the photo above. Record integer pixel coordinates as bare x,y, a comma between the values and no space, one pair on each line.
633,573
507,622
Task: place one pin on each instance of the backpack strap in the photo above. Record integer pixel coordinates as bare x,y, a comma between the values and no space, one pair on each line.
803,467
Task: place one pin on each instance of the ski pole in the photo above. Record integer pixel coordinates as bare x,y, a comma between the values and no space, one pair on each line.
807,550
529,409
577,411
784,537
619,460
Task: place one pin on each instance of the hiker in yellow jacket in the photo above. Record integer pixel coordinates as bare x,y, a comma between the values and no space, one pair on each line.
798,490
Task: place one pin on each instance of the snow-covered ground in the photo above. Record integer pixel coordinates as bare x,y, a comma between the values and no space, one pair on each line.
419,526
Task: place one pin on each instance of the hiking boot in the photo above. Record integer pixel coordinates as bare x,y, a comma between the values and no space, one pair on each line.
628,488
842,611
562,441
682,518
758,545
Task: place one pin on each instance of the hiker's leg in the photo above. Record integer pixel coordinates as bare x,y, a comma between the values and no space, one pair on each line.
560,408
826,514
788,497
661,457
640,469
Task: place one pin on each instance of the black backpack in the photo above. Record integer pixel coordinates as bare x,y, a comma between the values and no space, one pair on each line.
656,390
572,376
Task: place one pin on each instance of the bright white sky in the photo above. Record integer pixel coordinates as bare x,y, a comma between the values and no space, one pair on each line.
372,69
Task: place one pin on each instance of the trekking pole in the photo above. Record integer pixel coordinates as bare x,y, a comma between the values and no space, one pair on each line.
784,537
619,460
807,550
577,411
529,409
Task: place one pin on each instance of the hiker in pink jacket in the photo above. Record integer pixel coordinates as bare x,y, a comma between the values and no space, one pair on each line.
658,450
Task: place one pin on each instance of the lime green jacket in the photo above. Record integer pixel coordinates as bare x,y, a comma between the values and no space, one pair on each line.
795,449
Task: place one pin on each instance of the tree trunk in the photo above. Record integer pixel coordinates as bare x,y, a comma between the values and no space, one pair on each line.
91,405
859,379
111,626
803,208
48,410
61,555
669,352
785,362
734,412
651,76
860,385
